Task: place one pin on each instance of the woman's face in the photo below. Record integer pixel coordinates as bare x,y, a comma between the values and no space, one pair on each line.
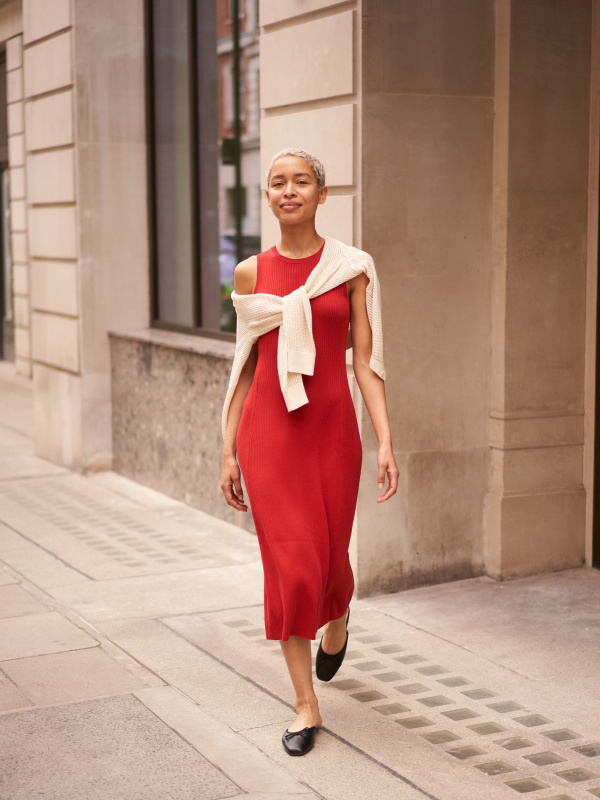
293,192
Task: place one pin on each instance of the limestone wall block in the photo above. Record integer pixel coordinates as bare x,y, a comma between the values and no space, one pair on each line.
49,121
43,17
19,247
17,182
20,279
55,341
537,469
53,232
51,177
18,215
16,150
531,533
14,86
48,65
54,287
326,68
15,118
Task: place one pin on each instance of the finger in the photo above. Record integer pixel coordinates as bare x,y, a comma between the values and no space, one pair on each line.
235,503
238,489
231,498
239,501
392,488
381,476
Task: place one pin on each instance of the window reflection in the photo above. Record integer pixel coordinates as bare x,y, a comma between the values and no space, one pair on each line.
205,158
239,206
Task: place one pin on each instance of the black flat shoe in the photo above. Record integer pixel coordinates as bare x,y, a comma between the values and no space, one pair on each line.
327,665
298,743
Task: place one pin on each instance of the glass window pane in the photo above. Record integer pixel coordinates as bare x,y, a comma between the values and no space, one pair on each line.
172,162
247,204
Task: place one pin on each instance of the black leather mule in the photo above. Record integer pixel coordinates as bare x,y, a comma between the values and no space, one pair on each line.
327,665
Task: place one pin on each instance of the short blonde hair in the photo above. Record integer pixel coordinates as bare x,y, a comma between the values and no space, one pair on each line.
311,160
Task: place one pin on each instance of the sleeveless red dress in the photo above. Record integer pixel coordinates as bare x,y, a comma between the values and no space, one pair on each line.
302,467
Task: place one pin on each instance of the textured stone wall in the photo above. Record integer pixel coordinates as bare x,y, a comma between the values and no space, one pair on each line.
167,397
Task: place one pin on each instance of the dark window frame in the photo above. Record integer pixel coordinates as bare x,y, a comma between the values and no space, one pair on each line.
195,178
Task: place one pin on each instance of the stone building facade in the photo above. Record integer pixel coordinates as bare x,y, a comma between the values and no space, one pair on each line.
461,140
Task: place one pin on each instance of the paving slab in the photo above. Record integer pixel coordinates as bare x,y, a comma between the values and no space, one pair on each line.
249,768
532,626
151,642
158,595
10,696
32,559
34,634
100,749
16,601
77,675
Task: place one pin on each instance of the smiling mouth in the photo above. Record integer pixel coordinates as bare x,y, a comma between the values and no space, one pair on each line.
290,205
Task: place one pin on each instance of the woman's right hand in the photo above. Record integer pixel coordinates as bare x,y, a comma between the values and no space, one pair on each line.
231,484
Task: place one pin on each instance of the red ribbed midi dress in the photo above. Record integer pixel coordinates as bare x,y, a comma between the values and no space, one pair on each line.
302,467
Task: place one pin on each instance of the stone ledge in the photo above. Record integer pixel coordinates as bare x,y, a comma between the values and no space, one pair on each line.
202,345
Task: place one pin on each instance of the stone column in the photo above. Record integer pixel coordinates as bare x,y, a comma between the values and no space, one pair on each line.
52,229
87,204
427,139
535,507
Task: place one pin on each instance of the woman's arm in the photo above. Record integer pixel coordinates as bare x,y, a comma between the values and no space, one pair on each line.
231,485
371,386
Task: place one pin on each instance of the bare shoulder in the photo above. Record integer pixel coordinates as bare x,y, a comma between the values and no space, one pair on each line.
357,283
244,278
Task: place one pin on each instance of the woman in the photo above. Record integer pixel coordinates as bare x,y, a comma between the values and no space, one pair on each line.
290,420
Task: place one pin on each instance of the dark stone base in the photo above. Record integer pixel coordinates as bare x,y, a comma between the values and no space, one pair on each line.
167,396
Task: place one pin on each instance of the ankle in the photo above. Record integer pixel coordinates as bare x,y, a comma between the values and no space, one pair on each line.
340,621
306,704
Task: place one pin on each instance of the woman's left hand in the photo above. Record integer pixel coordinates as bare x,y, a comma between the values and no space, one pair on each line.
386,464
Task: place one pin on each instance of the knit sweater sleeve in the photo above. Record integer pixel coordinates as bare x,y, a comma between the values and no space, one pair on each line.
256,314
243,346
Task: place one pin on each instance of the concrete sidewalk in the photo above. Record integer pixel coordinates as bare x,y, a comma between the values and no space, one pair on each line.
133,662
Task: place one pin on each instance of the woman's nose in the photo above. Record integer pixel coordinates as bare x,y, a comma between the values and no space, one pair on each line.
290,190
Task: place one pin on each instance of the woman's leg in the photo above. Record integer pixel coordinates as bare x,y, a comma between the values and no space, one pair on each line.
334,635
299,663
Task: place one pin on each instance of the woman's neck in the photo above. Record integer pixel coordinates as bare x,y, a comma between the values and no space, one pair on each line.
298,243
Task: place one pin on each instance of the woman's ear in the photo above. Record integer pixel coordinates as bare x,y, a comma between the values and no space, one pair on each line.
322,195
268,199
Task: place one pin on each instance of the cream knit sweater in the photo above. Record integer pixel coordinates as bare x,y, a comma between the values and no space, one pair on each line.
260,313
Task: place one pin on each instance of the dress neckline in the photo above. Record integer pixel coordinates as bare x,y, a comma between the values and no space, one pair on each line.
288,260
